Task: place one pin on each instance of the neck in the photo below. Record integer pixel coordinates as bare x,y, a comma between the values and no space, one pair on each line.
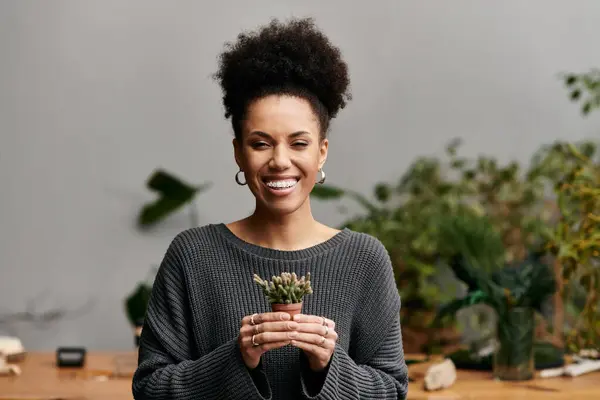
284,232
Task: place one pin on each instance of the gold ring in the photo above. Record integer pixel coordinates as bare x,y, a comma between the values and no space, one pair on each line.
252,319
324,321
326,330
322,340
253,342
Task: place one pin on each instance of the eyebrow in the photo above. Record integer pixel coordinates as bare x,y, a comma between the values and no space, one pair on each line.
267,136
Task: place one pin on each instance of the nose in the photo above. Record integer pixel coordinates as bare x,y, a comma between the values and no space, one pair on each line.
280,159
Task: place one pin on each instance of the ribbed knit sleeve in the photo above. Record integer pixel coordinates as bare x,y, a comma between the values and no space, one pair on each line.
374,367
168,364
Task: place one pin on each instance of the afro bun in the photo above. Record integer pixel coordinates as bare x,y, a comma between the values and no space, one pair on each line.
293,58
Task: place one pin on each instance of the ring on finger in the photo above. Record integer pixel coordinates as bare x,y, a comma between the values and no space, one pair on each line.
255,330
324,321
254,342
326,330
252,319
322,341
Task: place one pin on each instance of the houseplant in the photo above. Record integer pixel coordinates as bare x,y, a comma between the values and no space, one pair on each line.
576,240
404,216
285,292
515,290
575,244
173,194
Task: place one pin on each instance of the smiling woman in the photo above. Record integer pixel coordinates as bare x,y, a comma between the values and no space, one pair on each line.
282,86
280,153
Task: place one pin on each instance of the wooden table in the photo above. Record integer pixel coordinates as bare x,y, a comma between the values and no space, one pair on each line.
481,385
41,380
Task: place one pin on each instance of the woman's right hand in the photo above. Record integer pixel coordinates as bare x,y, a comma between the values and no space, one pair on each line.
269,330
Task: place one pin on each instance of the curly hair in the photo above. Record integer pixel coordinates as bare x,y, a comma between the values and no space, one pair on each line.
292,58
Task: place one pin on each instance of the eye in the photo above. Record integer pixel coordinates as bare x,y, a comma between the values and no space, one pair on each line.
259,145
300,144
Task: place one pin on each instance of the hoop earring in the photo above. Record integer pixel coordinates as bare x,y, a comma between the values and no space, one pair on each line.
322,180
237,179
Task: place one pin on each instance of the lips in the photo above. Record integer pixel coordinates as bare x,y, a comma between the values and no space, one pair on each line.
281,184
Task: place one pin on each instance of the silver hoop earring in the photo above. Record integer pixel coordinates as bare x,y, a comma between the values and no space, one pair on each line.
322,180
237,179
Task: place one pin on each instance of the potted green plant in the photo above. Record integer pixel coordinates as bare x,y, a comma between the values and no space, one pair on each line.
515,290
285,292
173,194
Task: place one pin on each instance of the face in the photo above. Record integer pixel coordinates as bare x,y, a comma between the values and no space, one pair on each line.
280,152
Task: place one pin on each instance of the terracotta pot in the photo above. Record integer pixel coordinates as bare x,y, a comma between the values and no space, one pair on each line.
292,309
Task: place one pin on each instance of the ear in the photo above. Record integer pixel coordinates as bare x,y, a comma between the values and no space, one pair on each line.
323,147
237,152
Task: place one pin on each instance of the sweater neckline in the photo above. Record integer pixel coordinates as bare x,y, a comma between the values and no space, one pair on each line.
267,252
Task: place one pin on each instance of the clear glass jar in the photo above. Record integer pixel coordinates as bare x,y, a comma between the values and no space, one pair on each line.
514,356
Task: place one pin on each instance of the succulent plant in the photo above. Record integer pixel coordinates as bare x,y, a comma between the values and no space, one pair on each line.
286,288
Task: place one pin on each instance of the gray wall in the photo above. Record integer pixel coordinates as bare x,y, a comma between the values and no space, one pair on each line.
95,95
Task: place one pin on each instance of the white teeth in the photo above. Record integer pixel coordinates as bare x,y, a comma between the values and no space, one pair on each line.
282,184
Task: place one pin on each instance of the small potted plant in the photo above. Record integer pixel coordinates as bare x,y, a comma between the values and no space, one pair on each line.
285,292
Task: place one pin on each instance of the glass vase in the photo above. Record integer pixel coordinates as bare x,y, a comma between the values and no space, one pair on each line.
513,359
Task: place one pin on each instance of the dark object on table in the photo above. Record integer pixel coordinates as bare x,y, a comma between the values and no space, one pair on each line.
545,356
70,357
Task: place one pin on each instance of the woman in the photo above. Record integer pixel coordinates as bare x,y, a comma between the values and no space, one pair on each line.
209,331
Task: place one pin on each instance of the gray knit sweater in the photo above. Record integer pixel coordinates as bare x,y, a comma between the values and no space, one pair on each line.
203,289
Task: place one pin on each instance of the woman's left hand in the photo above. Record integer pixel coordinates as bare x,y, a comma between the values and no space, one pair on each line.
317,337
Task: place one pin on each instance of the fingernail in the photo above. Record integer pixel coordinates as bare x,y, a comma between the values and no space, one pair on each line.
292,334
292,325
285,316
297,317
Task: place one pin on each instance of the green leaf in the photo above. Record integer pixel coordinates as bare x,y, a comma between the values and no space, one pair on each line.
382,192
169,186
327,192
137,303
154,212
458,163
173,194
566,251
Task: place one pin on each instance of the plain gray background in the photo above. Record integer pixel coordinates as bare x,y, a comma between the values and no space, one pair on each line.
96,94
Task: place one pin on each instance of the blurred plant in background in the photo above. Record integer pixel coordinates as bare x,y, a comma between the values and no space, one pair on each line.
575,244
405,217
173,194
585,88
532,208
514,290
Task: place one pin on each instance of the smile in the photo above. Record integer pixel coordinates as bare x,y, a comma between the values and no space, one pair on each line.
282,184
